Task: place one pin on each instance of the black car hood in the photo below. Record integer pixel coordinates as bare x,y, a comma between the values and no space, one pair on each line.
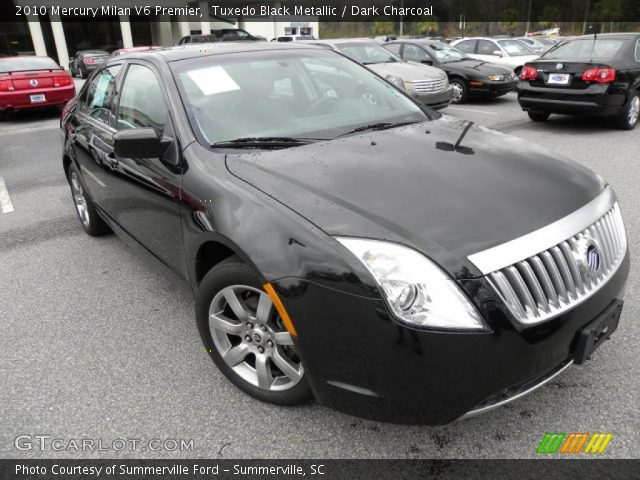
414,185
475,68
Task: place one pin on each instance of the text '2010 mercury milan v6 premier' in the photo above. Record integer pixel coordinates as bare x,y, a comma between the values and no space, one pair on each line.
394,263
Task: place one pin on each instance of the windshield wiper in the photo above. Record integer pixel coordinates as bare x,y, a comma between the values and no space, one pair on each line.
377,126
265,142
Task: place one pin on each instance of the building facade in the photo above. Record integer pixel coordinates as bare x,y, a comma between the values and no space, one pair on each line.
60,38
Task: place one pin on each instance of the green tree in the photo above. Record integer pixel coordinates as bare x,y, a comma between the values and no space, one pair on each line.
382,27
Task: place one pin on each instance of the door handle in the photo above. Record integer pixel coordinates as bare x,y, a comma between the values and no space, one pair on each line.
113,161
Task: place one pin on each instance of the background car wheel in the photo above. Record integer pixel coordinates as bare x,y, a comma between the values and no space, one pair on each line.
459,90
245,337
92,223
538,116
629,119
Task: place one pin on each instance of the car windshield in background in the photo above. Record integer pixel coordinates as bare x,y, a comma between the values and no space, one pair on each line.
514,48
24,64
586,49
367,53
305,94
446,53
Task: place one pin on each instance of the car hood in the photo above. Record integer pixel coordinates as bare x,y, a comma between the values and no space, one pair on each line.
476,68
448,187
407,71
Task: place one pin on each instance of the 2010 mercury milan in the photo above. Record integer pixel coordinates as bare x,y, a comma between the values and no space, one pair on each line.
394,263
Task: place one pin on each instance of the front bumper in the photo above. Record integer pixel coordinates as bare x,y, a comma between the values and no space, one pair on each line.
490,88
362,362
436,100
596,100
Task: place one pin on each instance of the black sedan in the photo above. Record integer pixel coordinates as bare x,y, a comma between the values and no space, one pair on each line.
588,75
86,61
468,77
394,263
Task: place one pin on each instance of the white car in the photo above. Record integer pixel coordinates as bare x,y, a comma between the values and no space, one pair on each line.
503,51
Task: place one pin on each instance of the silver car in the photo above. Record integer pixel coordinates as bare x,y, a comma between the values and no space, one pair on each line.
426,84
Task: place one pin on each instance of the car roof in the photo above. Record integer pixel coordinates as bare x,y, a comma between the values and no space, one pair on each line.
187,51
623,35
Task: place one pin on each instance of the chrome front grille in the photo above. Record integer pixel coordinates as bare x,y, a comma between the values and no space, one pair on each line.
429,86
559,278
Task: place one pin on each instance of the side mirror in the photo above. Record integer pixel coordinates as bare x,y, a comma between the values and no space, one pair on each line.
427,61
497,53
138,143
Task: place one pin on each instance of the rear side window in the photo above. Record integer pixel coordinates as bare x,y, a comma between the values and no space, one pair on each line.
98,100
141,101
468,46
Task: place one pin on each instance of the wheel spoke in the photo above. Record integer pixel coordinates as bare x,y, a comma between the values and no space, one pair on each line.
262,371
265,305
220,322
284,364
236,304
236,354
282,338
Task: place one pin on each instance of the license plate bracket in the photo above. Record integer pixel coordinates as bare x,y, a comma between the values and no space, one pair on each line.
597,331
559,79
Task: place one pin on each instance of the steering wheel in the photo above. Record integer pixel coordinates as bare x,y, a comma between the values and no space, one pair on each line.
324,101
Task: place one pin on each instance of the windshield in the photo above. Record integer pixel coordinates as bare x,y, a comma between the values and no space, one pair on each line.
445,53
515,48
586,49
290,93
367,53
24,64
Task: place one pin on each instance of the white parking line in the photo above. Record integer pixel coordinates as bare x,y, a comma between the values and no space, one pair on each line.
471,110
5,199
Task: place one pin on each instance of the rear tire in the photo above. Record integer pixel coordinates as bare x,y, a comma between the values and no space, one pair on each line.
629,119
91,222
252,349
538,116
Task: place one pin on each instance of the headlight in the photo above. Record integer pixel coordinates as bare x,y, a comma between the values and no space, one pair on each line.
394,80
496,78
418,292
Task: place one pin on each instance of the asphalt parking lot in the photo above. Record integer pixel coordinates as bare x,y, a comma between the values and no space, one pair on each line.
98,344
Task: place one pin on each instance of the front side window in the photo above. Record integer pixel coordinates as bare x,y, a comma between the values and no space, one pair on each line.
445,53
394,48
638,51
414,53
141,101
98,100
514,48
486,47
289,93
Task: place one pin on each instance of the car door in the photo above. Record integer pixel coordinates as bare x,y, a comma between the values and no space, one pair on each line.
144,193
92,129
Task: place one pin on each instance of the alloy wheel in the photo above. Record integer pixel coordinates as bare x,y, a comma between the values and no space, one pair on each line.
79,199
457,92
634,110
251,339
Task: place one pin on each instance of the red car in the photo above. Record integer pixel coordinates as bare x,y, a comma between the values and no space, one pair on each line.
33,82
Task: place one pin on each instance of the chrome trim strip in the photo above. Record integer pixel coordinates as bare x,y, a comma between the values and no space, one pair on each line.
479,411
518,249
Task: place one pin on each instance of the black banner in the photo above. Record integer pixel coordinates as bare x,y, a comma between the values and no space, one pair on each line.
207,469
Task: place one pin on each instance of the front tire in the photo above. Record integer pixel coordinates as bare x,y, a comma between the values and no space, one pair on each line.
460,93
629,119
244,335
538,116
91,222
